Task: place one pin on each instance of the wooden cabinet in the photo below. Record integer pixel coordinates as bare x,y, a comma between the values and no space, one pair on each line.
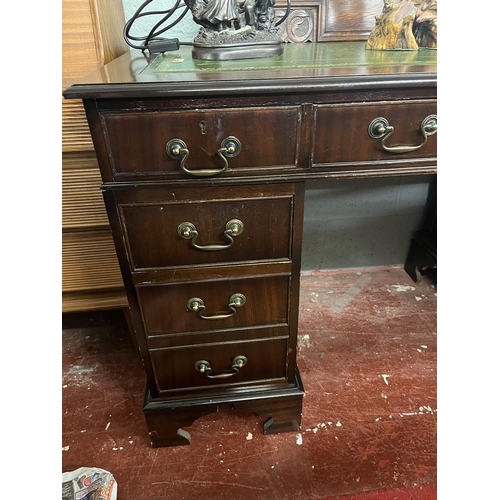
91,37
208,232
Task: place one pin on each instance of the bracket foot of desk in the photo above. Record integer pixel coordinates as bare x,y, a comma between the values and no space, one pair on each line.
281,410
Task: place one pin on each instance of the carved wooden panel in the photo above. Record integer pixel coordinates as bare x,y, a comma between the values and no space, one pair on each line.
300,26
329,20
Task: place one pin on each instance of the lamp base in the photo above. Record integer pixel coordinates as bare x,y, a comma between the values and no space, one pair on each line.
249,50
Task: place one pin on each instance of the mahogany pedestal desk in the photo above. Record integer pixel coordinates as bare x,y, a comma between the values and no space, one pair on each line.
203,166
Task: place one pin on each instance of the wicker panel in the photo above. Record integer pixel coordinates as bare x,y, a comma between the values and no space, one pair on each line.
82,202
91,37
78,45
89,262
75,130
94,301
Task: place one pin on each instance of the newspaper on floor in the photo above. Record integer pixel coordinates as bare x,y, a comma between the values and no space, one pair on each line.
89,483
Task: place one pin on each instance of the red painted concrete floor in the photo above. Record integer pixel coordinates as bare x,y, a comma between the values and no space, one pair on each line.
367,356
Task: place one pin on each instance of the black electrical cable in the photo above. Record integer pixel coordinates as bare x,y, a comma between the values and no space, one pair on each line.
128,24
288,7
152,34
171,25
145,40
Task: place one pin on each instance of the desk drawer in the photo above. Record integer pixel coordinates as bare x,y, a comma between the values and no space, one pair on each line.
137,142
165,234
176,368
341,132
165,308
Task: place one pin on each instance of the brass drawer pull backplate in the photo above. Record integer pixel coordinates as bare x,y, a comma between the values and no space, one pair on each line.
197,305
380,129
204,367
188,231
229,148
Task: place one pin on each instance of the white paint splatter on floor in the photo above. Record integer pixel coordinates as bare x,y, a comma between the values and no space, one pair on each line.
402,288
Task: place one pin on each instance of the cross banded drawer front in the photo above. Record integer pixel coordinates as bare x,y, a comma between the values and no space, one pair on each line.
214,305
201,141
212,364
212,232
342,132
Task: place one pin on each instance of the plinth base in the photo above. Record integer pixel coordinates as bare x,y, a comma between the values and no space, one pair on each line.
280,409
248,50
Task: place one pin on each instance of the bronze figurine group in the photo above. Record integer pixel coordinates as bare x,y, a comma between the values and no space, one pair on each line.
221,15
235,29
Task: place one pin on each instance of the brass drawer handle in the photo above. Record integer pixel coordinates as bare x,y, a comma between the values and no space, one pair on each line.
197,305
380,129
204,367
188,231
178,150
